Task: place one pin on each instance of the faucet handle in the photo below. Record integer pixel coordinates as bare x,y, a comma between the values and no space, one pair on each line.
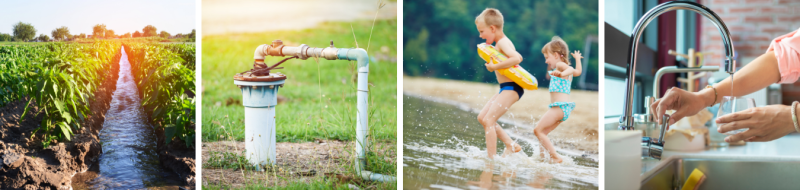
664,125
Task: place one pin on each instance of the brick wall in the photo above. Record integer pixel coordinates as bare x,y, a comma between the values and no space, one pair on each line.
753,24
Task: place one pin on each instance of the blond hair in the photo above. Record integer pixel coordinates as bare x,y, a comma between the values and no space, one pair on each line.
492,17
558,46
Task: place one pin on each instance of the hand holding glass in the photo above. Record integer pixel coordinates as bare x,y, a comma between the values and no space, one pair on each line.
731,105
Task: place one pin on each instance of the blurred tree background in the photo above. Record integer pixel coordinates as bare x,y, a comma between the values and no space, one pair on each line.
440,37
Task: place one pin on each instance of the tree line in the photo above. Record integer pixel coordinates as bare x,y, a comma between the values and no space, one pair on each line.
25,32
440,37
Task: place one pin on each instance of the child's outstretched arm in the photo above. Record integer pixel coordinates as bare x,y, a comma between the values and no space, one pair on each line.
578,57
563,70
514,57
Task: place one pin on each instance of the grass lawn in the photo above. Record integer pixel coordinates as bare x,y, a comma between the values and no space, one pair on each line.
319,97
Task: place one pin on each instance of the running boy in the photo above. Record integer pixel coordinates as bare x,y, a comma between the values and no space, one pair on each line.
490,27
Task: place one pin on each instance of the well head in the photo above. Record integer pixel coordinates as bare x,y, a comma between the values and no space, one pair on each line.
249,76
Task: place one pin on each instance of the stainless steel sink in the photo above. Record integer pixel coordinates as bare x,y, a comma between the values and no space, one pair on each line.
726,172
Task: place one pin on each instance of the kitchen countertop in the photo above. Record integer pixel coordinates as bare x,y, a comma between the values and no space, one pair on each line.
785,147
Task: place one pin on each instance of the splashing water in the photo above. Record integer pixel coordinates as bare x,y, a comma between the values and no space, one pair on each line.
442,152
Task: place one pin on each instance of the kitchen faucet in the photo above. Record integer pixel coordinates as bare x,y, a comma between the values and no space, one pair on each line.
729,65
654,147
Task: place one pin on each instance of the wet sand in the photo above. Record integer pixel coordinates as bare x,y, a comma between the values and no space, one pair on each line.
579,132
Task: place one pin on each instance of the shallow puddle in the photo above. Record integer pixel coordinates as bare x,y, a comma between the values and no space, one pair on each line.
444,148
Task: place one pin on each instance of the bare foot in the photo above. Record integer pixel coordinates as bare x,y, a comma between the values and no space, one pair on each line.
508,151
517,148
555,159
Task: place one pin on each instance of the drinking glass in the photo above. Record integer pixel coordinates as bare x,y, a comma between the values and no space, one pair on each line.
731,105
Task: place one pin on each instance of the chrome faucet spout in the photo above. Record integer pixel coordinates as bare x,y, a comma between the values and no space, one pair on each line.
729,65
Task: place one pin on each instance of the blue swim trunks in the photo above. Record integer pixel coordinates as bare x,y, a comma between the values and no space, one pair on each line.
512,86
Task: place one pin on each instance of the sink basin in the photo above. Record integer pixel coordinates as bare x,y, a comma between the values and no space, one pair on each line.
726,172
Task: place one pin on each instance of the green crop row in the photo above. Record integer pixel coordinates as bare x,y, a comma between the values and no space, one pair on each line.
58,78
165,76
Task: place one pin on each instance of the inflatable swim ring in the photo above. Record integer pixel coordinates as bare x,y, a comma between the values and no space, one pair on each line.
515,73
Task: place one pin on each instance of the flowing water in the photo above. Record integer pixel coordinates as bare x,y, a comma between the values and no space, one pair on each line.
129,159
444,148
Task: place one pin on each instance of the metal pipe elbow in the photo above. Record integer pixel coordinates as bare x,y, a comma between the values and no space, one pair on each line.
261,52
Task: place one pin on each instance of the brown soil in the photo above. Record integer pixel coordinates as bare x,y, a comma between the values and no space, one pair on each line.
25,164
579,132
301,162
177,157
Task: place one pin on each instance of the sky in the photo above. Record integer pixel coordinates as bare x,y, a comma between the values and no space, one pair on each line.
173,16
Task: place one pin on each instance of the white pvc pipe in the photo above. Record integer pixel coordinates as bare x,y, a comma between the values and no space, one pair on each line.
362,93
362,122
260,136
260,100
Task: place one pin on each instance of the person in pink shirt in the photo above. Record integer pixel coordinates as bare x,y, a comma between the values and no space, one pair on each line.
781,64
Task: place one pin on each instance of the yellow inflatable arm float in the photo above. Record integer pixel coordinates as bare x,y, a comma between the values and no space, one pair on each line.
515,73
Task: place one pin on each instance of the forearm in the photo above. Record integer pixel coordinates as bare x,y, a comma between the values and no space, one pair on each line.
578,68
757,75
567,72
510,62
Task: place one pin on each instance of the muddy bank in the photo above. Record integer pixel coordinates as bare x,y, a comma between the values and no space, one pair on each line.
579,132
177,157
25,164
304,162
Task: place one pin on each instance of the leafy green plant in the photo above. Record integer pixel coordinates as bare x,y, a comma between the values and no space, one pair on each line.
167,85
58,78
